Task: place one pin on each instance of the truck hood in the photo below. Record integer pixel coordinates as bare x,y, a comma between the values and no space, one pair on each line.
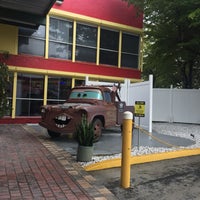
71,105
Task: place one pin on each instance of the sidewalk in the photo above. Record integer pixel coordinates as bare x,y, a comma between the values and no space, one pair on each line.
34,168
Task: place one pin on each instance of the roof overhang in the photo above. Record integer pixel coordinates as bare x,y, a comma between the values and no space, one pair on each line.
25,13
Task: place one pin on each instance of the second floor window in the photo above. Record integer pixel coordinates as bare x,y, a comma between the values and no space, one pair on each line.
86,43
109,45
130,50
60,38
31,41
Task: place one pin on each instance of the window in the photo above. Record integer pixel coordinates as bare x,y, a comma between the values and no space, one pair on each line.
86,94
30,89
109,44
31,41
86,43
60,38
58,89
130,51
107,97
79,82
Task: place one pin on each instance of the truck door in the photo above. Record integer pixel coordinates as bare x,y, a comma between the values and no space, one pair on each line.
110,114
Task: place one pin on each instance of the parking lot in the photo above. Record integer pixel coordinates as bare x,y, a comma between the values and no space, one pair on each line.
175,179
169,179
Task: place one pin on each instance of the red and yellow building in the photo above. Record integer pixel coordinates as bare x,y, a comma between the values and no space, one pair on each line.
98,39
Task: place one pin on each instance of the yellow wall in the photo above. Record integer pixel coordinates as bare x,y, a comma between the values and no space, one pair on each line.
8,38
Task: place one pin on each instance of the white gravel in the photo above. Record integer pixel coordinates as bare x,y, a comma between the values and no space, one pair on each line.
189,131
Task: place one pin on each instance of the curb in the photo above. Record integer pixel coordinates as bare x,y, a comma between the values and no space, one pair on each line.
106,164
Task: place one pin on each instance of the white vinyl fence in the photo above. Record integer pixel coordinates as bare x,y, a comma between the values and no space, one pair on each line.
161,105
142,91
176,105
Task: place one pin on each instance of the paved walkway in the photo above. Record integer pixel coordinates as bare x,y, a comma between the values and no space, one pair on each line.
34,168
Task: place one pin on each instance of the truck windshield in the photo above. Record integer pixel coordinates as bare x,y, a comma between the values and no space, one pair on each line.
86,94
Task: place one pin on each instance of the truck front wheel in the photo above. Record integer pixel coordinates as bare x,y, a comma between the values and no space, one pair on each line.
97,125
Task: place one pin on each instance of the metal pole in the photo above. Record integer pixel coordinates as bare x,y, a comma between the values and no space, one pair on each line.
139,134
126,149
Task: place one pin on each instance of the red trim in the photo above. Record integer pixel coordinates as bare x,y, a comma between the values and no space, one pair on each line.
113,10
20,120
35,62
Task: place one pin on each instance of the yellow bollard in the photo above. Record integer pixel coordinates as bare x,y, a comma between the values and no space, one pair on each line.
126,149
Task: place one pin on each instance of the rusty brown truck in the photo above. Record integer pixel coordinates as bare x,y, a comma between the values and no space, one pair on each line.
101,105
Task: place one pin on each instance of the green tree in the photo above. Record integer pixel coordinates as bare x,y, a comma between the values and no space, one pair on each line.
172,42
4,82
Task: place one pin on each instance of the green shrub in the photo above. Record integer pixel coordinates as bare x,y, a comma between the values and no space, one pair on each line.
4,82
85,132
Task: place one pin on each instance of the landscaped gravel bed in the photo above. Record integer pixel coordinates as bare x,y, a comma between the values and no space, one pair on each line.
189,131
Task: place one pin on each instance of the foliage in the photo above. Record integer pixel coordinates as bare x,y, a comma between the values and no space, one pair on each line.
4,82
172,42
85,132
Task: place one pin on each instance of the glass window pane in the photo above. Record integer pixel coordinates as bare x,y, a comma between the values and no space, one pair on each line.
87,94
85,54
35,106
30,90
30,86
108,57
31,41
107,97
86,35
86,42
60,30
79,82
28,32
130,61
130,43
22,107
28,107
109,39
58,89
60,36
31,46
58,50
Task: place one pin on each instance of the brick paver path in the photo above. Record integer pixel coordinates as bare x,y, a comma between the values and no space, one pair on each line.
29,170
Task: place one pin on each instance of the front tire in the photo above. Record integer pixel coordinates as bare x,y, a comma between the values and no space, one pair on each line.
97,125
53,134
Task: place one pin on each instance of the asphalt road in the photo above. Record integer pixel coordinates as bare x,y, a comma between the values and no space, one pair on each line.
175,179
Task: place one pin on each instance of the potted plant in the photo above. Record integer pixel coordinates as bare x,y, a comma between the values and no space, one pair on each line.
85,137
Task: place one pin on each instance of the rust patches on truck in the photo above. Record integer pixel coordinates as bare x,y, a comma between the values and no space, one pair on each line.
101,105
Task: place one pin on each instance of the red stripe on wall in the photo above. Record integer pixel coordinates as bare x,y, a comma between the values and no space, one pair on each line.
20,120
35,62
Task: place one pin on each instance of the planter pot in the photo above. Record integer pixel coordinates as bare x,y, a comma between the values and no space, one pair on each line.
84,153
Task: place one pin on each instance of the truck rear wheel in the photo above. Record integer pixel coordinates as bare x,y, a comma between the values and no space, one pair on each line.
97,125
53,134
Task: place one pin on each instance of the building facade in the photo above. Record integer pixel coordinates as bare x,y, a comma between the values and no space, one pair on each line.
98,39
